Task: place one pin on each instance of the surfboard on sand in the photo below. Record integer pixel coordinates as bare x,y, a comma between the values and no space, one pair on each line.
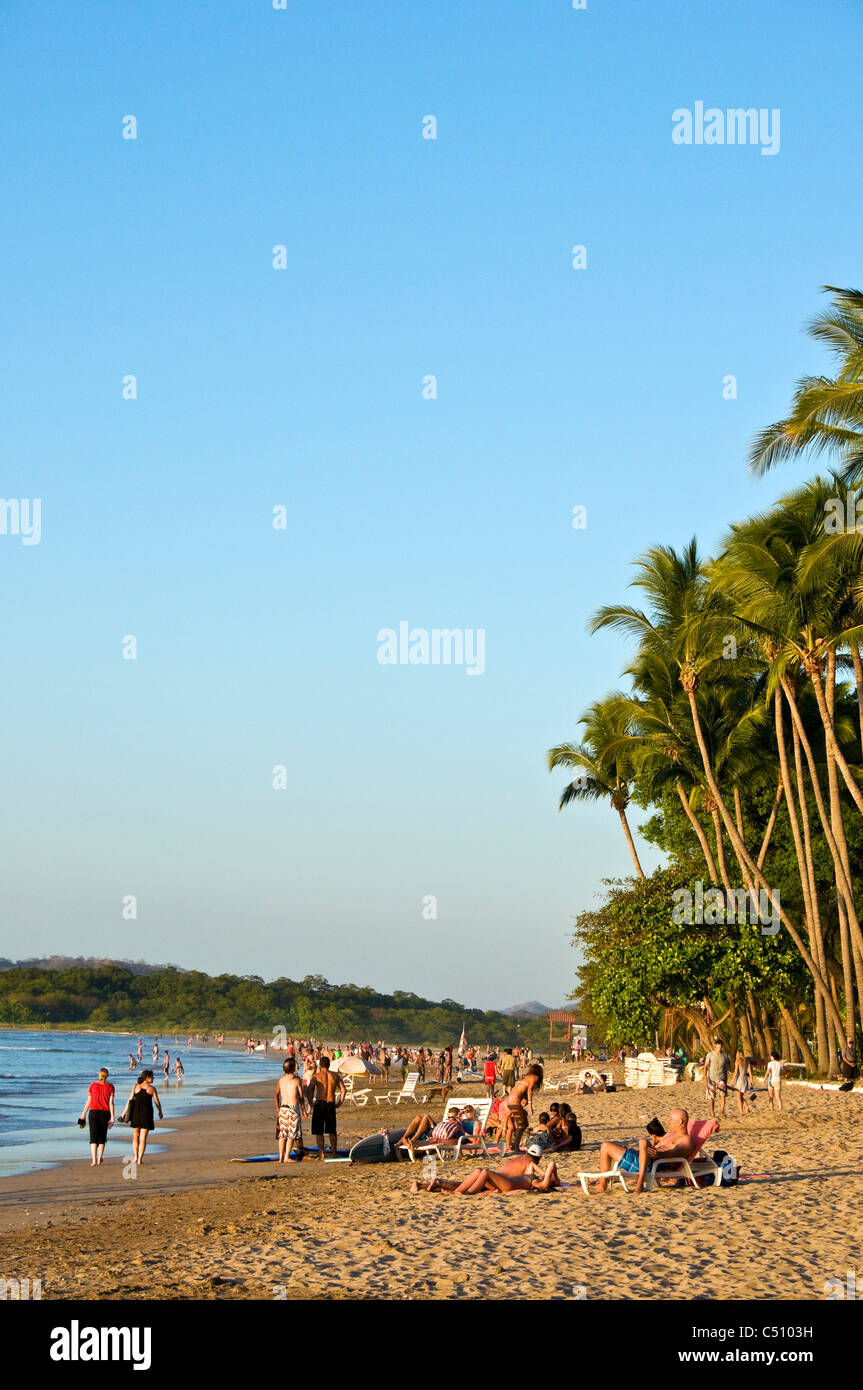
377,1148
341,1155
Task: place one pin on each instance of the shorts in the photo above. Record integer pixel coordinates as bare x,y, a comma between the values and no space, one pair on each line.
98,1125
290,1124
629,1161
717,1086
324,1117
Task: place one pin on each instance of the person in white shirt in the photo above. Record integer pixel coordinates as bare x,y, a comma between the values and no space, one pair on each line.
773,1076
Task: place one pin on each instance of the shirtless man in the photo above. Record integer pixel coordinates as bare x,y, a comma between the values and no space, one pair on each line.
290,1106
519,1174
517,1106
676,1143
326,1085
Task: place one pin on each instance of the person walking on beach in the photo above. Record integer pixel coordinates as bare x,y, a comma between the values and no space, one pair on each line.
166,1064
773,1077
742,1083
290,1106
144,1096
716,1065
99,1112
506,1067
326,1084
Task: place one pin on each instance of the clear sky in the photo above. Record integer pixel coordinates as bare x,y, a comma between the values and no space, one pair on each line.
302,387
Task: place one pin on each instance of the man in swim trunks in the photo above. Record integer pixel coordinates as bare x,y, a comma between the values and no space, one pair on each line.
716,1066
677,1142
290,1104
326,1085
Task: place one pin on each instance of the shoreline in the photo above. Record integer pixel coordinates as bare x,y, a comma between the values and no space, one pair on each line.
201,1137
193,1226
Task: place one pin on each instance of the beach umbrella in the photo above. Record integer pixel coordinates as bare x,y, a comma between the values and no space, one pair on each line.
355,1066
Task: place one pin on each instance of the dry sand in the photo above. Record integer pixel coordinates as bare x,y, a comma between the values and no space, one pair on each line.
192,1225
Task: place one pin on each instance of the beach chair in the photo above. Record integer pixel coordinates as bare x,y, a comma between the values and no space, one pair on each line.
353,1095
689,1168
464,1144
407,1092
557,1086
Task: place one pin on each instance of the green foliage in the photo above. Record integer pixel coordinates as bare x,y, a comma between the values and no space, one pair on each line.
172,1000
637,960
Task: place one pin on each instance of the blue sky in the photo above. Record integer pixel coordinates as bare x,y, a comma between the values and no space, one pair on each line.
302,387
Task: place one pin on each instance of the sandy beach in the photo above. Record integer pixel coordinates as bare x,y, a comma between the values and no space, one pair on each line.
192,1225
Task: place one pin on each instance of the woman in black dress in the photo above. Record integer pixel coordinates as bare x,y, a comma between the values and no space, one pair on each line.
141,1102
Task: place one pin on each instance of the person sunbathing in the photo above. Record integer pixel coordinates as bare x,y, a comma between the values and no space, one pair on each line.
677,1142
483,1181
422,1129
591,1084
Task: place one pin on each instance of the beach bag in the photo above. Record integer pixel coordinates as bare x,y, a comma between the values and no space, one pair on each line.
126,1117
729,1168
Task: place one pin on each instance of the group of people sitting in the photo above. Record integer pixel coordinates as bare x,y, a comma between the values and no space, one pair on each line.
522,1173
557,1130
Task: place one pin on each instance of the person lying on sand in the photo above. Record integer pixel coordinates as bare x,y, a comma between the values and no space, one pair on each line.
676,1143
485,1180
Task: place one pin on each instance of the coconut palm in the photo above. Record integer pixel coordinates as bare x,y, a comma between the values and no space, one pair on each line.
826,412
602,767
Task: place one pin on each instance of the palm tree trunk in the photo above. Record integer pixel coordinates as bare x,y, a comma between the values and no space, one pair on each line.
816,936
699,831
743,854
770,824
858,681
830,734
720,849
738,811
629,840
838,827
796,1034
843,875
822,1034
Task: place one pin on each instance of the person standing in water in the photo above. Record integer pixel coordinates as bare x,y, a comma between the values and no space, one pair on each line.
144,1096
99,1111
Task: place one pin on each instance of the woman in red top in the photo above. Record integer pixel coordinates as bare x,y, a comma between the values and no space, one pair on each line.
100,1111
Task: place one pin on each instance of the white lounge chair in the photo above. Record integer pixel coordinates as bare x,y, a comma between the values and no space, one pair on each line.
464,1144
353,1095
407,1092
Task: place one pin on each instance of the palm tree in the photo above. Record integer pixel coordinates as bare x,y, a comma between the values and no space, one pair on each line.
602,767
826,412
689,624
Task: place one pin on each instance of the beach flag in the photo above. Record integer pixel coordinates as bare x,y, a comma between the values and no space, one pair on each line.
462,1042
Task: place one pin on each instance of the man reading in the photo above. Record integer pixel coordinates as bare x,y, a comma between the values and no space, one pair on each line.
676,1143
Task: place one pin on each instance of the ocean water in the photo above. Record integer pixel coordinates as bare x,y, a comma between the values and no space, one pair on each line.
43,1089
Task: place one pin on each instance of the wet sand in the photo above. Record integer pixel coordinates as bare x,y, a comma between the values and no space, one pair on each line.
193,1225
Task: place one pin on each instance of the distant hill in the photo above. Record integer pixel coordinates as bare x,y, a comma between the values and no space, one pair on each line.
532,1009
135,967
